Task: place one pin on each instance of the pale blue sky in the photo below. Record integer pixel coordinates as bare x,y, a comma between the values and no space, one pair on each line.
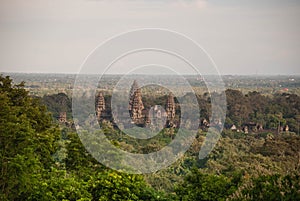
242,37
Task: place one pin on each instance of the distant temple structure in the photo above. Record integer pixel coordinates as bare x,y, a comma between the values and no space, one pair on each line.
138,113
100,105
286,128
170,110
62,117
136,106
132,92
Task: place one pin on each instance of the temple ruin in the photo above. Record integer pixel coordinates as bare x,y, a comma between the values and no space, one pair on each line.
62,117
100,105
139,114
136,107
170,110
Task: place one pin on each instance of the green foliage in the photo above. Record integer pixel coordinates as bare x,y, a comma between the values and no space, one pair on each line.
77,156
39,162
59,185
33,152
271,187
111,185
57,103
269,111
199,186
27,140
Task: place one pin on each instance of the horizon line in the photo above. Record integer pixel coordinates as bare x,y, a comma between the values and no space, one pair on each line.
120,74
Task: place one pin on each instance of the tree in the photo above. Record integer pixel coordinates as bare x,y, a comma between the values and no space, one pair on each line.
27,140
78,158
59,185
111,185
57,103
238,107
199,186
271,187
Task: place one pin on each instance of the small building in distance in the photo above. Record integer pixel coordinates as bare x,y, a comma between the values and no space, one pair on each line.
62,117
286,128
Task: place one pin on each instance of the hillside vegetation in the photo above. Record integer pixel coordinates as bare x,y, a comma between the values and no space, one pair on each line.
42,159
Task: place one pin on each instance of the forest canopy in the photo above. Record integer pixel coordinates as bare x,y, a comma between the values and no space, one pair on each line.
42,159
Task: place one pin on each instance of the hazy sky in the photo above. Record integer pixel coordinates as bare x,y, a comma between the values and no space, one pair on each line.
242,37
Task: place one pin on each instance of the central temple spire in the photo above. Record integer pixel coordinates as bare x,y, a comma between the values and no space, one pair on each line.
136,105
170,110
100,105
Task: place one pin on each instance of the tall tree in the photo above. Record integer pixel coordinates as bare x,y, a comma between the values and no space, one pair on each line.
27,140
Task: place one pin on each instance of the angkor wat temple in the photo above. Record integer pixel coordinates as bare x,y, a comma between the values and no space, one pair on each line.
139,115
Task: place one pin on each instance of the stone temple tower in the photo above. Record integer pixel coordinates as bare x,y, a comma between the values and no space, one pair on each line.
136,105
62,117
137,108
170,110
133,89
100,105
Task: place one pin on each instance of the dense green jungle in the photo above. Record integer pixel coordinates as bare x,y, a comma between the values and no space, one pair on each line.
256,158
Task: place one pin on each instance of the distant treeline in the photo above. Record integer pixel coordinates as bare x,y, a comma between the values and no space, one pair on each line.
272,112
